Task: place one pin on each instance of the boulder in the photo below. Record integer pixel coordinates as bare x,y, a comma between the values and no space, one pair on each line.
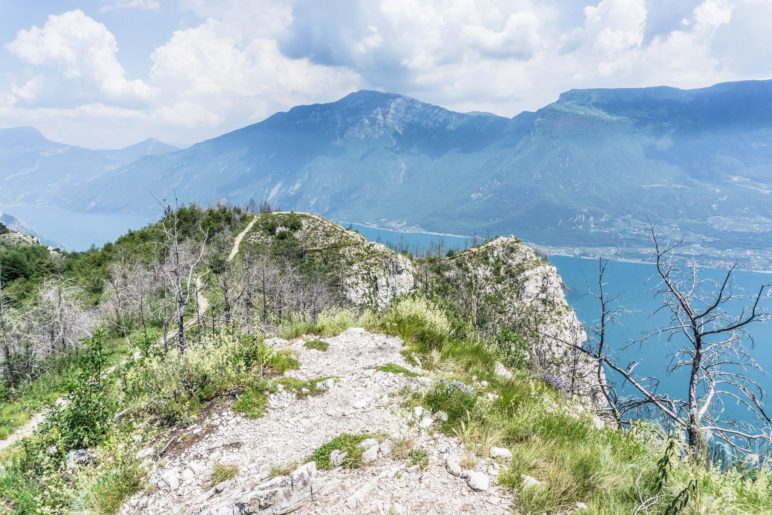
79,458
453,466
478,481
500,452
530,482
503,372
370,455
385,447
337,457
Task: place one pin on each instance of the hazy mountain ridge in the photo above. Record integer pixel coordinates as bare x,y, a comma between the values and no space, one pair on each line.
35,170
586,173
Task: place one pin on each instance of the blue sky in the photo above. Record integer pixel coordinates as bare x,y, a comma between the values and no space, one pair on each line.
108,74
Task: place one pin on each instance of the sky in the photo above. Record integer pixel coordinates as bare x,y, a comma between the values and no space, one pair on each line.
109,74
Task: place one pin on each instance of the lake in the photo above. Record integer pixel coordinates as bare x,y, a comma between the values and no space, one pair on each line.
75,230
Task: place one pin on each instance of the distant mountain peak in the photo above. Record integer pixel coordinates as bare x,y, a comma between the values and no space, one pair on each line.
147,147
22,136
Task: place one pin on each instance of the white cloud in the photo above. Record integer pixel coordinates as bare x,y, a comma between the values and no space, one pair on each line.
206,67
245,59
84,52
146,5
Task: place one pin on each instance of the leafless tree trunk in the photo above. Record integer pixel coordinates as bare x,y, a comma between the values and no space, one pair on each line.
709,343
10,376
181,264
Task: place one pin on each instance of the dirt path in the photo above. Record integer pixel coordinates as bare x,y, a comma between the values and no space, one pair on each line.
237,241
24,431
359,399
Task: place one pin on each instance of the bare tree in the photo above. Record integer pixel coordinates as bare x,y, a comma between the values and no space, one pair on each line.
707,328
10,376
179,269
127,304
63,319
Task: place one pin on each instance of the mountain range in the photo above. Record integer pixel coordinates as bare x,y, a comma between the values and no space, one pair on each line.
586,174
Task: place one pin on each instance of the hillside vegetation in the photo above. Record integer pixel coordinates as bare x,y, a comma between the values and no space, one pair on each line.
221,361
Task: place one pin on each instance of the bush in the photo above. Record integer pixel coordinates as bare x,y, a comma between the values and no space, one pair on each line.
175,385
456,399
512,348
87,415
418,320
253,401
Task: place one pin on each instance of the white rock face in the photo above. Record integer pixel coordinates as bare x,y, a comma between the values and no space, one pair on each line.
534,304
376,285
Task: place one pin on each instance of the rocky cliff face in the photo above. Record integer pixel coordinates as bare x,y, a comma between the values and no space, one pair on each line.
366,274
505,283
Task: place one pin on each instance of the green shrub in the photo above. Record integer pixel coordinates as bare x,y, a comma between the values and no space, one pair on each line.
316,344
513,349
252,402
456,399
174,385
418,320
87,416
348,443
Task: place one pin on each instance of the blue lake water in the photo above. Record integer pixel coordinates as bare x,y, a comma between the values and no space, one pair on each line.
75,230
635,285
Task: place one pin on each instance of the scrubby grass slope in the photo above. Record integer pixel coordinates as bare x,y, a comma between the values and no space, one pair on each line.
553,438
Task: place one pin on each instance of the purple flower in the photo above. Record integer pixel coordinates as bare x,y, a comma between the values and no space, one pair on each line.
555,381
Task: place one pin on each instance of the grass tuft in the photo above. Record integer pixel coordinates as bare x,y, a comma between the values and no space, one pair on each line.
400,449
283,470
113,486
222,473
419,457
348,443
393,368
304,388
252,402
316,344
329,323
